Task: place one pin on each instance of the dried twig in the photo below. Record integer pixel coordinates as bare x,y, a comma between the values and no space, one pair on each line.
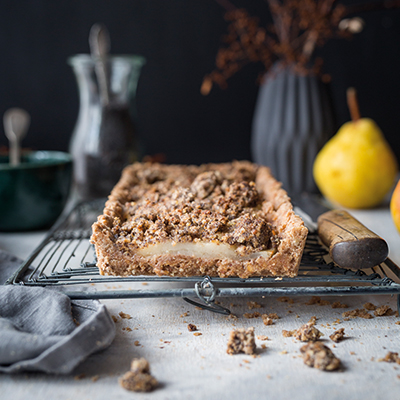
299,26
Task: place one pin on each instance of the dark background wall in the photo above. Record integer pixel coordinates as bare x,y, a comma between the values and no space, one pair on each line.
179,39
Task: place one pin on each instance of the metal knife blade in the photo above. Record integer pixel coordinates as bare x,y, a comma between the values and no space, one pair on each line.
351,244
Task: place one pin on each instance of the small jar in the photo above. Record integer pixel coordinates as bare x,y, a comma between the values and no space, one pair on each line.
104,139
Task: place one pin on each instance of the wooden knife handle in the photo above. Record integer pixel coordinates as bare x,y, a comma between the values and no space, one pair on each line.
351,244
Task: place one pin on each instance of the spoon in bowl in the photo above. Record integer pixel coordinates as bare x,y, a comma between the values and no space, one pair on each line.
16,123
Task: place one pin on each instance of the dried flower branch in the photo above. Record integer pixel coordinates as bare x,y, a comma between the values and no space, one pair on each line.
299,26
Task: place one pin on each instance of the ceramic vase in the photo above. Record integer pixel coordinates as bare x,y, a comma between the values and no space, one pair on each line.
293,119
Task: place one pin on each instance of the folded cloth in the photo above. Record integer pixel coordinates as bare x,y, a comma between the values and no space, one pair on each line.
43,330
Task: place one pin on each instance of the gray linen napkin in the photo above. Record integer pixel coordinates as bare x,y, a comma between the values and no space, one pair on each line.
43,330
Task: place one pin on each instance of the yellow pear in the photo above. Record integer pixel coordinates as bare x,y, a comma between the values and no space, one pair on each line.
356,168
395,206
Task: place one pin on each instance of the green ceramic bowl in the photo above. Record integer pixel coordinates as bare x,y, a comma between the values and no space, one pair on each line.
34,193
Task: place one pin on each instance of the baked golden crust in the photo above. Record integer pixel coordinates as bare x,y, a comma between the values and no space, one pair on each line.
237,206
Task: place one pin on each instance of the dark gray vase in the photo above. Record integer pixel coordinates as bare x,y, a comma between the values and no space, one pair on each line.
293,119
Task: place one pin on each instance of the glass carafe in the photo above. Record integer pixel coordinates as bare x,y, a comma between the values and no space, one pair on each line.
104,138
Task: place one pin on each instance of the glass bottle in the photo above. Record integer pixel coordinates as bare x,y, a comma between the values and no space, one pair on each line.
104,138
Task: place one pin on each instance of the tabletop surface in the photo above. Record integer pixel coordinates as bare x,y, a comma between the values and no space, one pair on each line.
190,366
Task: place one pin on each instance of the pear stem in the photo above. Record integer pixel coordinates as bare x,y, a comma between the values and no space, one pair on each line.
352,103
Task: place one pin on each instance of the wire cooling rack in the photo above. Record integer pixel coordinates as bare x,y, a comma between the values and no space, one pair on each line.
66,259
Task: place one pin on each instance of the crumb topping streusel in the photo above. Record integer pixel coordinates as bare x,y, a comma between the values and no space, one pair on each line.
317,355
242,341
222,206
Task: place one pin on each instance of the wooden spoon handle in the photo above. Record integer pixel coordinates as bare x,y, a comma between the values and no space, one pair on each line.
351,244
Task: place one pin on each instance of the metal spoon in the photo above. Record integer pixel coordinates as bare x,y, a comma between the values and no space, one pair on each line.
16,123
99,42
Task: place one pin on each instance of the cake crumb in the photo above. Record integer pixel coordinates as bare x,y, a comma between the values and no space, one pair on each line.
197,334
338,335
79,377
242,341
307,332
95,378
338,304
390,357
358,312
124,316
267,320
262,337
287,334
232,316
283,352
140,365
253,304
138,379
114,318
285,299
255,314
318,301
369,306
136,343
192,327
312,320
317,355
138,382
263,346
383,311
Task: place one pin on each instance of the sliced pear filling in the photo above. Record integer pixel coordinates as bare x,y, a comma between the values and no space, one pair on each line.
201,250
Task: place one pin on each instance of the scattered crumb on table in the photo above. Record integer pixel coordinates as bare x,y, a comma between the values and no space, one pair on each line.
338,335
124,316
253,304
338,304
138,379
357,313
241,341
383,311
317,355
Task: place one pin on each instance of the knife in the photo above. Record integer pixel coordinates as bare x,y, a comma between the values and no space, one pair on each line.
351,244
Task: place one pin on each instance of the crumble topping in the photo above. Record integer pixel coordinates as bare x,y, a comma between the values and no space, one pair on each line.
307,332
317,300
241,341
382,311
139,379
358,312
390,358
317,355
253,304
338,335
369,306
222,206
338,304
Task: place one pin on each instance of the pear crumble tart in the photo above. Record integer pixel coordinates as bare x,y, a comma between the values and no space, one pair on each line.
230,219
